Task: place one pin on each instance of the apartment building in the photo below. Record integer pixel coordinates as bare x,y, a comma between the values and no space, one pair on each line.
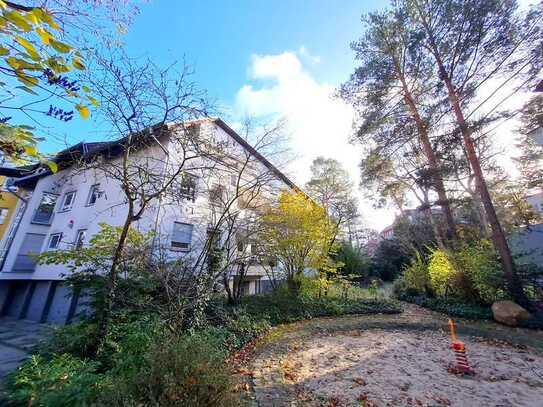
65,209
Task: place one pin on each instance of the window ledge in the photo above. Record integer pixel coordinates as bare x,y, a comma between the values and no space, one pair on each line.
40,223
178,249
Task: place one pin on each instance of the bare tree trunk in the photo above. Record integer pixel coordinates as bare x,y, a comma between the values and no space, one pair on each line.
111,284
226,282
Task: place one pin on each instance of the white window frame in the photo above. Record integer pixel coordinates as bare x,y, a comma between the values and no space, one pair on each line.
51,236
94,189
38,208
178,245
79,232
65,207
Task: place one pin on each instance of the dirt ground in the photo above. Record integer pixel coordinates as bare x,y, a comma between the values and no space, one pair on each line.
397,360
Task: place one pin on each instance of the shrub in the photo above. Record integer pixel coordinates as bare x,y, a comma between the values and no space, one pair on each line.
63,380
443,275
78,339
452,307
388,260
480,263
353,261
416,276
278,309
177,371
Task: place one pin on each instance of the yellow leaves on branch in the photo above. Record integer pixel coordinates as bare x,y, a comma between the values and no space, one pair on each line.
299,231
83,111
32,52
36,50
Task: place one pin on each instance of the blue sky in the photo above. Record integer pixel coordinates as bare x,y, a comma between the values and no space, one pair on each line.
219,37
265,59
258,58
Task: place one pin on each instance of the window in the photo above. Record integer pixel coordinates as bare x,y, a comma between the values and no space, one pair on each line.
80,238
3,215
216,194
214,237
188,186
94,193
30,247
44,213
68,201
182,236
54,240
254,249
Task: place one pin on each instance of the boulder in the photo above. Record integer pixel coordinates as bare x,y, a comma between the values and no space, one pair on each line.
509,313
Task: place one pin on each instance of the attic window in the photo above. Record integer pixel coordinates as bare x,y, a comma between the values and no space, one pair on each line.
188,186
216,194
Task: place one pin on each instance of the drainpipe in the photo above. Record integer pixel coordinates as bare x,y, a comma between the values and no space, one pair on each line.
13,230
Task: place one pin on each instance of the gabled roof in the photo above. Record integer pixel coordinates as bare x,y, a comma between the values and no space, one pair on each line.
219,122
29,175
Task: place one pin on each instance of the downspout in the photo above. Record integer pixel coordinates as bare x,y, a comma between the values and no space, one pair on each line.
13,230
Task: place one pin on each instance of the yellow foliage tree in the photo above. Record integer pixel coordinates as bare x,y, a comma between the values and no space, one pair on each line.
296,235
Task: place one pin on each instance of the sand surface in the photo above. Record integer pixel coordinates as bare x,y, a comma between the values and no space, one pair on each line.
402,368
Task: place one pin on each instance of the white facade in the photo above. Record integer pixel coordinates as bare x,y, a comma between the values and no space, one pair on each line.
86,198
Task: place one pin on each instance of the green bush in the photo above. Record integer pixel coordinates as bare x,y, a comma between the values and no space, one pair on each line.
63,380
176,371
353,261
80,340
480,263
278,308
452,307
140,362
443,276
416,276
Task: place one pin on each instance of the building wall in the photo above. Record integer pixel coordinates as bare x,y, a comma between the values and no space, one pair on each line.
39,295
8,201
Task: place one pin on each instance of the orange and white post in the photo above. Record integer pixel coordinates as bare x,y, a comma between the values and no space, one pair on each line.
459,348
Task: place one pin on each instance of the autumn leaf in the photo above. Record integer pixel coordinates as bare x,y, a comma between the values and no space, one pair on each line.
27,90
28,47
18,20
76,62
52,166
60,46
83,110
44,35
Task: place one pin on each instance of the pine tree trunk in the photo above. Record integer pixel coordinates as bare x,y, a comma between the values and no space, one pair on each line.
432,161
498,236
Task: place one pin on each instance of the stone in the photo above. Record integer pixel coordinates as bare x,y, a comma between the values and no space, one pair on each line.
509,313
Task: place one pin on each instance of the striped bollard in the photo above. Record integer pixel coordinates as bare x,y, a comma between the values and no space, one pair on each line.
462,365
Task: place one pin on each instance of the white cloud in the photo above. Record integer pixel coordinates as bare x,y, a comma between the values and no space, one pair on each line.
304,53
319,124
